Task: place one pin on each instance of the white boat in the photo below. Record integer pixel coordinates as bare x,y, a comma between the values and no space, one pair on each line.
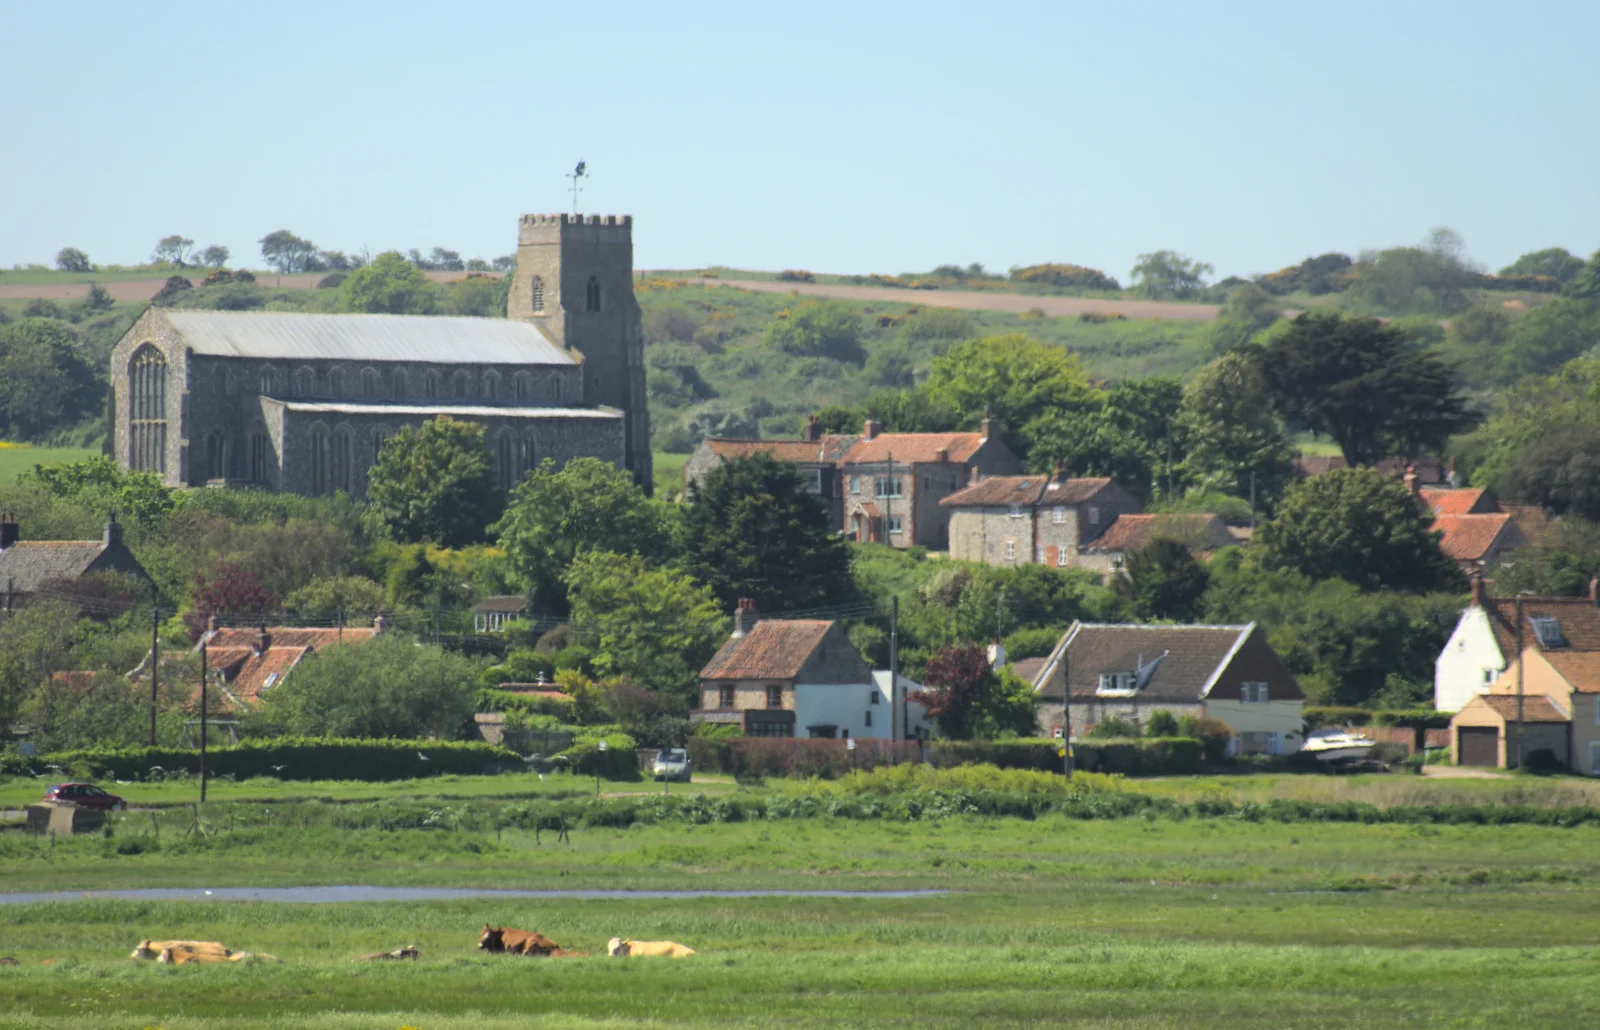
1338,746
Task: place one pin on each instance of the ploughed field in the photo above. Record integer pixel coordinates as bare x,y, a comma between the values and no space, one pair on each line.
1125,922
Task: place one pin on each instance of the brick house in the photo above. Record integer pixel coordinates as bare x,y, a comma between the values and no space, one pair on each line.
1044,520
31,567
894,482
1105,553
796,677
1229,673
815,456
248,661
1484,642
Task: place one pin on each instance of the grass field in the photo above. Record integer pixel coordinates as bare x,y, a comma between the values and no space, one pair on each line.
668,469
1129,923
16,459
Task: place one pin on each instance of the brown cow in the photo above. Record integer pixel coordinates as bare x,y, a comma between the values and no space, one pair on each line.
517,942
409,951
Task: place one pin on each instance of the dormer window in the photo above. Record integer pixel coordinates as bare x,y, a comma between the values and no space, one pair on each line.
1016,511
1547,631
1116,682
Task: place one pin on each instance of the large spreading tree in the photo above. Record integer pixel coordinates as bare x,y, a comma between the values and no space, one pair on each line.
1230,435
753,530
1362,383
435,483
390,285
1359,525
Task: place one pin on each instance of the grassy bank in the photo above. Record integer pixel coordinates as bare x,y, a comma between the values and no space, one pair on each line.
17,458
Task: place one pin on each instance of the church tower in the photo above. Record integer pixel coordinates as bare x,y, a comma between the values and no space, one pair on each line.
574,280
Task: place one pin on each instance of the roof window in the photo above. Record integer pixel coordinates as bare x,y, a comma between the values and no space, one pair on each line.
1547,630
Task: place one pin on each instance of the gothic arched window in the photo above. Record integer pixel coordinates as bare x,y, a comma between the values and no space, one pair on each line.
379,437
335,382
461,385
430,385
305,382
147,410
536,295
504,454
591,295
320,477
522,386
491,386
555,388
216,456
260,455
343,458
526,456
400,385
266,380
369,383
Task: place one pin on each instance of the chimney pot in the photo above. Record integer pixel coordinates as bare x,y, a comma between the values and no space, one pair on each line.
1411,481
974,476
871,430
812,432
745,616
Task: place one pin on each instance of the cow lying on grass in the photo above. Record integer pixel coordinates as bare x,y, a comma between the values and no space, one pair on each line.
522,942
409,951
183,953
620,948
149,949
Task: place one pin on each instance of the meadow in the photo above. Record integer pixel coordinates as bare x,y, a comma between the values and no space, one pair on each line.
1127,923
17,458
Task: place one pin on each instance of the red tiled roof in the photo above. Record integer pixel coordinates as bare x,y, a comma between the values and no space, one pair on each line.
1030,490
1459,502
290,636
1130,532
824,451
913,447
1578,616
1535,707
1581,669
264,671
774,649
1470,537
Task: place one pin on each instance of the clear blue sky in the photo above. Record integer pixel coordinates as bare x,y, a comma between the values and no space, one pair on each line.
843,137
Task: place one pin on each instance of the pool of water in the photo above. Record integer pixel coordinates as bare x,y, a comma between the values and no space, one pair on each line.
324,895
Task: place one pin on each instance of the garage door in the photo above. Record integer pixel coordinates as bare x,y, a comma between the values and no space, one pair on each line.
1478,745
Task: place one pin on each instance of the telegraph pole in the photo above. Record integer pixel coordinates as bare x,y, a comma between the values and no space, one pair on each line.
1520,664
1066,713
155,656
205,643
897,711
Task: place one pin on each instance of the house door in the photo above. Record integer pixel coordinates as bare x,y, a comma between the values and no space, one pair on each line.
1478,745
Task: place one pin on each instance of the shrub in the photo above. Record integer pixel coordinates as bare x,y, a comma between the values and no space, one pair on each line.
1148,756
332,280
295,758
1114,727
1031,642
1065,276
491,700
174,287
1316,716
1161,723
796,275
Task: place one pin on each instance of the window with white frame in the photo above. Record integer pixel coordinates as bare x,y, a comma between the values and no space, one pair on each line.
1094,515
894,524
855,484
774,696
725,698
1058,514
1488,675
1061,558
1011,550
1016,511
812,478
888,486
1252,692
1112,682
1038,554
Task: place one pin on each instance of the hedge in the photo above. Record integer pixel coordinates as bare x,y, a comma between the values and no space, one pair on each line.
292,758
1039,754
491,700
1416,718
619,761
1145,756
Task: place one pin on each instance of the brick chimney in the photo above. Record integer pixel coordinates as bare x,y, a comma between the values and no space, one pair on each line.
988,427
745,616
1059,474
812,432
974,476
1480,591
10,532
113,531
264,642
1411,481
942,455
871,430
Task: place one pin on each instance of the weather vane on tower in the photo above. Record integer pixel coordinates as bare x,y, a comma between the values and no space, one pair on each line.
576,174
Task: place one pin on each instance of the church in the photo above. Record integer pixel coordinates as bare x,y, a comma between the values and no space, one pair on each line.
301,403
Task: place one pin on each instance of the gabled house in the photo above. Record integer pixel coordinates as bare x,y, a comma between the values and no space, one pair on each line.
815,457
1484,641
1476,534
1043,520
1560,712
796,678
1229,673
1106,553
29,568
894,482
249,661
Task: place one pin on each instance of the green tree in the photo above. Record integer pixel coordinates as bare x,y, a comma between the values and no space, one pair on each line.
1230,434
1359,525
1536,407
173,249
1548,336
435,483
34,642
1163,581
819,329
97,300
1361,383
389,686
214,256
1087,444
1560,472
71,259
1556,262
287,252
1416,280
390,285
46,380
655,626
1249,310
1161,723
1164,273
1585,282
329,597
590,505
753,530
1015,379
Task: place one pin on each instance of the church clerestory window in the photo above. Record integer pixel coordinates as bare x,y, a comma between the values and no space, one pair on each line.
321,476
147,410
260,456
343,457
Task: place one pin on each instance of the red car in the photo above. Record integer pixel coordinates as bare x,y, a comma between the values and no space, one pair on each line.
84,795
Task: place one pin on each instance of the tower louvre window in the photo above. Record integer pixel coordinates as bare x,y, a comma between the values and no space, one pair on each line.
536,295
591,298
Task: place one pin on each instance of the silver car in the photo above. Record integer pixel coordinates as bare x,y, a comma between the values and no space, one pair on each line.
672,764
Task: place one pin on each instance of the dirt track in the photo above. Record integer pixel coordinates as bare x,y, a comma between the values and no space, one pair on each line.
967,300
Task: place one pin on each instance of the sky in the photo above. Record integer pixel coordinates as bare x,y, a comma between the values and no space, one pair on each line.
850,137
